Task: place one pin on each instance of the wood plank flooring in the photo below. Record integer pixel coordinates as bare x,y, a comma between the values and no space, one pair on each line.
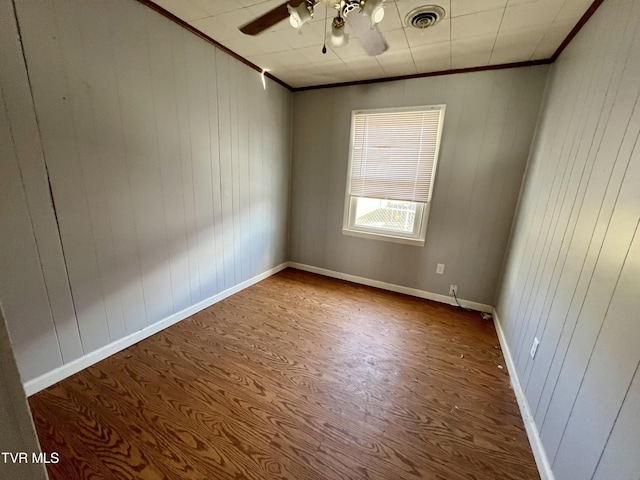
297,377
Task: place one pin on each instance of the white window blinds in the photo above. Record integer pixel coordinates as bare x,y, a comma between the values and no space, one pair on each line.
394,154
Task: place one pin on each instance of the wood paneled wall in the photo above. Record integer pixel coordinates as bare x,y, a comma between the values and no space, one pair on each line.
17,433
34,287
573,272
169,168
488,126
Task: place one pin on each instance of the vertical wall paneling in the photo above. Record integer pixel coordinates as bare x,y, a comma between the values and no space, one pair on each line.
560,176
234,96
278,172
163,81
186,163
17,433
201,146
255,178
601,390
216,179
597,280
226,188
22,288
281,180
587,204
622,453
133,77
572,266
243,170
564,219
71,40
487,132
116,218
150,141
604,309
54,108
23,141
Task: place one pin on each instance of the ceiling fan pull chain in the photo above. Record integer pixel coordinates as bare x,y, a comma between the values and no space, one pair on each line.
324,41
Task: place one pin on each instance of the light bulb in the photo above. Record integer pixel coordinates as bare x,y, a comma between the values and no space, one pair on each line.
299,15
338,38
378,14
374,10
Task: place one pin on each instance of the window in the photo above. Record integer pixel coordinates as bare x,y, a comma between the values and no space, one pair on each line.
392,166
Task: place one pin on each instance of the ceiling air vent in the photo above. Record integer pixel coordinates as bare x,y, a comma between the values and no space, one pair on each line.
424,17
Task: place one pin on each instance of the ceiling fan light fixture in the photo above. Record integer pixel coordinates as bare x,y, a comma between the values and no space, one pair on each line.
299,15
374,9
338,37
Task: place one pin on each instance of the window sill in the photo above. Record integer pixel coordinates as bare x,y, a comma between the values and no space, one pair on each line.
416,242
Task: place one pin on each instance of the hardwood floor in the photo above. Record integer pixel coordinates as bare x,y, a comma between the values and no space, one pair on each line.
298,377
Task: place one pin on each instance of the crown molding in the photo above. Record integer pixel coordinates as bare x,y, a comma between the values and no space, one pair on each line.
529,63
587,15
207,38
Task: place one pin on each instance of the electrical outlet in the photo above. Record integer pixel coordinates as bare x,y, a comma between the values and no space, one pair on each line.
440,268
453,289
534,347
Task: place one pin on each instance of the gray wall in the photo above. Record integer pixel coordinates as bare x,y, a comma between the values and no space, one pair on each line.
488,127
17,433
169,167
573,272
34,287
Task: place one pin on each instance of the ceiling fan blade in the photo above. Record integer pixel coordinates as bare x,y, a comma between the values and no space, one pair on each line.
371,39
269,19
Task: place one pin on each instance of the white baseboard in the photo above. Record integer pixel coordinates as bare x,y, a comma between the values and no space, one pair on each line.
436,297
539,453
68,369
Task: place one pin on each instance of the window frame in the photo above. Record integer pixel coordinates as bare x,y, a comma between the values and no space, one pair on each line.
417,237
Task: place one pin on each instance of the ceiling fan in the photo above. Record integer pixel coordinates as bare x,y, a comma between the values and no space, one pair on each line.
361,15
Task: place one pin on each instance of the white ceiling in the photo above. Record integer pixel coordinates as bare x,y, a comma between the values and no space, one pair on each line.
473,33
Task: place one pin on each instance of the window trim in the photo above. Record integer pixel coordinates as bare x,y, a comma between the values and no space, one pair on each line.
348,222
